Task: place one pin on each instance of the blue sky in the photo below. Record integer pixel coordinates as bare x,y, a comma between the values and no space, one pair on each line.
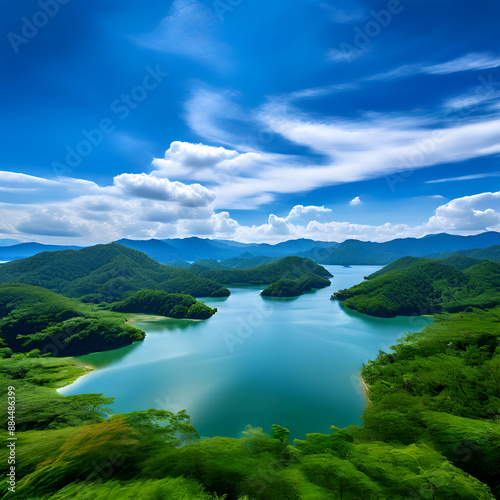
248,120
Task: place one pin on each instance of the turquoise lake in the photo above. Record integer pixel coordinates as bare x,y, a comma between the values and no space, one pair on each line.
259,361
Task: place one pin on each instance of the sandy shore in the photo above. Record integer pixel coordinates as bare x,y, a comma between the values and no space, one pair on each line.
366,388
133,318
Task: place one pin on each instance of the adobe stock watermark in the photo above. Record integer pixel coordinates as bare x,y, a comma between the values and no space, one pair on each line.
363,37
221,7
31,27
121,109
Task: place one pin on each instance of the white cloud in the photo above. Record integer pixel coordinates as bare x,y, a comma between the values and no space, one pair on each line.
302,213
465,177
52,222
314,92
204,163
365,148
188,30
108,213
468,62
468,214
342,16
337,55
355,201
154,188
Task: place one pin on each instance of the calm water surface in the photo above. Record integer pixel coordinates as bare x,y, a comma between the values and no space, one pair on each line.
259,361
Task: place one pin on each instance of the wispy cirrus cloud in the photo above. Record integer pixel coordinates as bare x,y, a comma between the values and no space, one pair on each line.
346,150
471,177
468,62
189,30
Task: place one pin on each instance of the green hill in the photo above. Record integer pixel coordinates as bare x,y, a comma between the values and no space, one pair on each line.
289,277
287,268
178,263
105,273
426,286
294,288
35,318
247,261
488,253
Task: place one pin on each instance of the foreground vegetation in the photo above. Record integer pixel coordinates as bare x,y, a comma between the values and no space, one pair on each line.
432,431
414,285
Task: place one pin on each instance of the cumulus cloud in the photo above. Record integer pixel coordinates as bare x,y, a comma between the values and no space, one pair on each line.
154,188
311,212
201,162
51,222
110,212
467,214
355,201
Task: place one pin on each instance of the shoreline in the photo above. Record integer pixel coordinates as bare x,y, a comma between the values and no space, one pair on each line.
152,318
366,388
87,369
135,317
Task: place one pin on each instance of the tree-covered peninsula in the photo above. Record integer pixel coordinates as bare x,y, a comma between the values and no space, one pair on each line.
105,273
34,318
173,305
414,285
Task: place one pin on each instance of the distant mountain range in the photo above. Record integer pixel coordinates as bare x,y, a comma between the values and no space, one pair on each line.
25,250
355,252
187,249
350,252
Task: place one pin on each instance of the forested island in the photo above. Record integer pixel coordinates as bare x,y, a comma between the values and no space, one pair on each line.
288,277
294,288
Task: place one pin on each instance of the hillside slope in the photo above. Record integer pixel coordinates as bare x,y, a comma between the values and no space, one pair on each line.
35,318
426,286
105,273
286,268
488,253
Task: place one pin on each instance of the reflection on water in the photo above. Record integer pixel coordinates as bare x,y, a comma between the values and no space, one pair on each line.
258,361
